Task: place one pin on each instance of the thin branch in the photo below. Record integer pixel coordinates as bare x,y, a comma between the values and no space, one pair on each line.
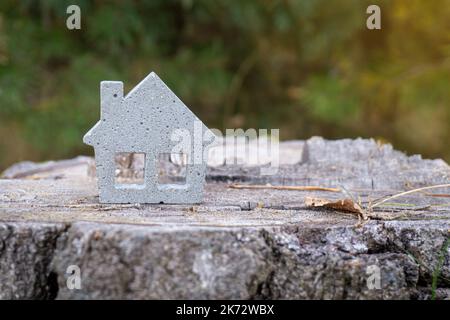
297,188
409,192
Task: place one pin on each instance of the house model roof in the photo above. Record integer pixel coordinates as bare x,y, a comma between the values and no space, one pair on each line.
149,112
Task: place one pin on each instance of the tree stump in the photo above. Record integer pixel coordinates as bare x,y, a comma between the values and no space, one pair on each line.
238,243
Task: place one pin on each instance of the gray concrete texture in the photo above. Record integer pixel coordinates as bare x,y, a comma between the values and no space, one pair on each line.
150,120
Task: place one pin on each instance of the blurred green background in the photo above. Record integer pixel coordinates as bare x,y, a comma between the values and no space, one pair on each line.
307,67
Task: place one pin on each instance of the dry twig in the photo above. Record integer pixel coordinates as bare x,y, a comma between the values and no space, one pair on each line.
408,192
297,188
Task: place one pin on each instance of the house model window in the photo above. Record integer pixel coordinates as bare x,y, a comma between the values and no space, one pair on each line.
143,123
129,169
172,169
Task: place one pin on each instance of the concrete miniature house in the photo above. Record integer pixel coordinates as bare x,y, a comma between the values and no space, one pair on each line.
144,122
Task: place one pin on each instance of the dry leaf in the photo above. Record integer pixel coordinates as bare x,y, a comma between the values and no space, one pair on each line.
346,205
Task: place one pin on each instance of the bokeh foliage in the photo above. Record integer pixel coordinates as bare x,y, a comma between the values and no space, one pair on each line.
306,67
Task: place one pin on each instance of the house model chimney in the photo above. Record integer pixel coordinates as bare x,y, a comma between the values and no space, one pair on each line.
111,96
